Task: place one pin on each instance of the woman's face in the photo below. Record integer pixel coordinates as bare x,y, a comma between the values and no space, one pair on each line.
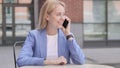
56,18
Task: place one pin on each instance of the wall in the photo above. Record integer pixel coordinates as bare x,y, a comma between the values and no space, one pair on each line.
74,10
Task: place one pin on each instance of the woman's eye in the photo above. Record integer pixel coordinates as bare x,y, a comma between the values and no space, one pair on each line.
58,14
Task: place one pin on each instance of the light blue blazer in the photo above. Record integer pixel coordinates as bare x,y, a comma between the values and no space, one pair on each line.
34,50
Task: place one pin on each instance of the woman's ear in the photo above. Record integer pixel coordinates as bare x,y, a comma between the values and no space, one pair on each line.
47,17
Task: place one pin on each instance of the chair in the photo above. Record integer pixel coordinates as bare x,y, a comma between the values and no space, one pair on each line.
14,50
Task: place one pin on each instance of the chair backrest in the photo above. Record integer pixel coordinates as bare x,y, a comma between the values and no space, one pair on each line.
18,43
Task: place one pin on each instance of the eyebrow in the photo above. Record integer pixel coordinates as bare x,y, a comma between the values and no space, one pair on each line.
59,12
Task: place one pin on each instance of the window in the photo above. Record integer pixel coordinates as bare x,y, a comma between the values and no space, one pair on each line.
17,1
8,13
94,32
102,22
10,1
22,20
0,14
25,1
94,20
113,20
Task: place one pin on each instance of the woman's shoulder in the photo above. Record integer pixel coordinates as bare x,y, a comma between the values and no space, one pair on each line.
36,31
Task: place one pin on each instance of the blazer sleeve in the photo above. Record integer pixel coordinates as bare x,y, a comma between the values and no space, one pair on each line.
76,53
26,54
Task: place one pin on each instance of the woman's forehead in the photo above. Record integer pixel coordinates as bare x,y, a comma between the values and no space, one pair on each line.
59,8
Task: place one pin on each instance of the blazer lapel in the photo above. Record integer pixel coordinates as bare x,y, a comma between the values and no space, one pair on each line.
43,45
60,45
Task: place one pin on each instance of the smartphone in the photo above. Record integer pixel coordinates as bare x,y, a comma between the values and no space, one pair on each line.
65,23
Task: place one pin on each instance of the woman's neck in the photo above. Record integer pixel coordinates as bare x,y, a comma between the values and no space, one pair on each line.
51,30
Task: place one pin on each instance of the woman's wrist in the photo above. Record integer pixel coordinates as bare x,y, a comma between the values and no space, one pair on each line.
47,62
69,37
67,33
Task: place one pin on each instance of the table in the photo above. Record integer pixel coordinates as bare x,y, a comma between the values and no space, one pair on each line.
70,66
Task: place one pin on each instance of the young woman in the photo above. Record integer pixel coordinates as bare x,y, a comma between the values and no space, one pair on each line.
51,43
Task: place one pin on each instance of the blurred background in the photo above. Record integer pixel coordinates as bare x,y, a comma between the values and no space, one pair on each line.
95,24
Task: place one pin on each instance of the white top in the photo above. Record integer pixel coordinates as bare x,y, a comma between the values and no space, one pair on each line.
52,46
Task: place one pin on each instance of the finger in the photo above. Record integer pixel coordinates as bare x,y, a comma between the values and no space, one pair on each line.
68,19
64,59
62,63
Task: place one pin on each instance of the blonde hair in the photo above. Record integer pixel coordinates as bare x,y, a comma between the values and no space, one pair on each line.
47,8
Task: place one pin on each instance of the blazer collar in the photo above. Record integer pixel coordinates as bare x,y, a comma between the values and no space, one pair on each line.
44,47
60,42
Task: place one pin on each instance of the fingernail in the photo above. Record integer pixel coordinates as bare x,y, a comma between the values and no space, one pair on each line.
61,63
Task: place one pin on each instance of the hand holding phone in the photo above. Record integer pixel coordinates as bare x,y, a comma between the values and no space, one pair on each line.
65,23
66,26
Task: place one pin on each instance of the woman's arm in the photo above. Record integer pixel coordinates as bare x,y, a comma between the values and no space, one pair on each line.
26,54
76,52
